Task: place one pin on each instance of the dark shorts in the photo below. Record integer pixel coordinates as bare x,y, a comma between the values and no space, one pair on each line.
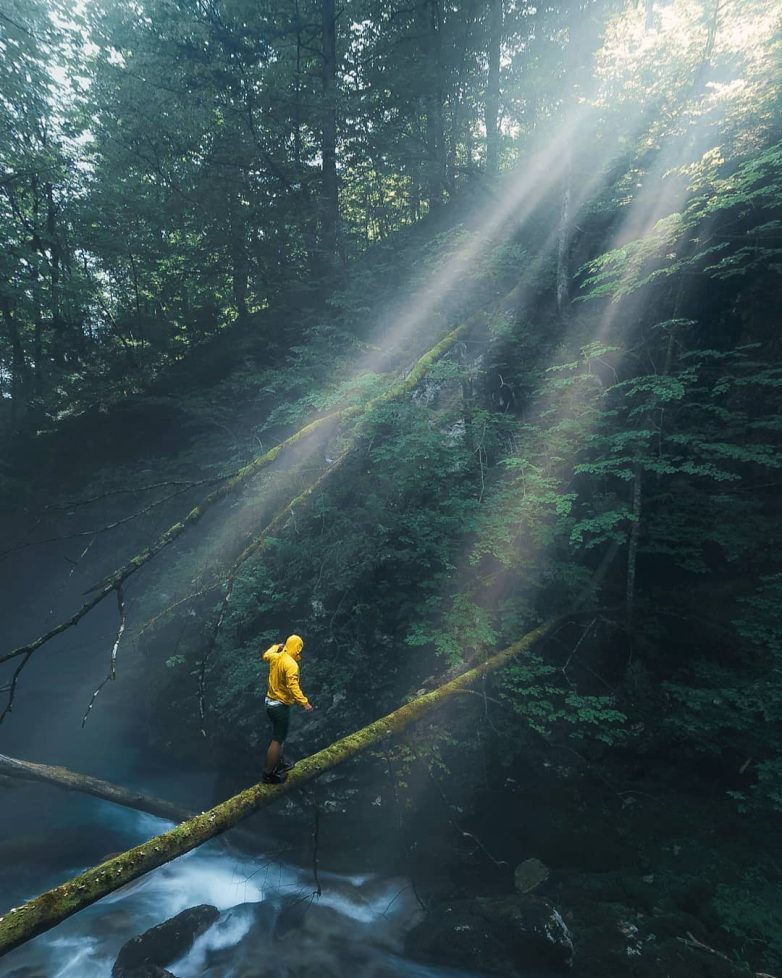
280,717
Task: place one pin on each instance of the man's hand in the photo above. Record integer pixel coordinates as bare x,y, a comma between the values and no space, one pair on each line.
307,708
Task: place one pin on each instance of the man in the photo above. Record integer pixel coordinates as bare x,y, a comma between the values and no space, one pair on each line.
282,693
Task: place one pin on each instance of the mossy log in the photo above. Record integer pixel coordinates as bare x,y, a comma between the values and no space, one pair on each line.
62,777
407,384
20,924
257,542
119,576
115,580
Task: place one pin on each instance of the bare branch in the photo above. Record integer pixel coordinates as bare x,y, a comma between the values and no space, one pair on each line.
360,411
74,503
106,527
112,673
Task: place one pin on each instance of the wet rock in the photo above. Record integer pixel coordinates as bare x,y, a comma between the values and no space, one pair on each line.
529,875
494,935
145,956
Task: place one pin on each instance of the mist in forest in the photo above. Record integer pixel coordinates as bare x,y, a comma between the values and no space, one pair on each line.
446,337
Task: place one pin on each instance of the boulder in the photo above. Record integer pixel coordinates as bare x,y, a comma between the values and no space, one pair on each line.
529,875
494,935
147,955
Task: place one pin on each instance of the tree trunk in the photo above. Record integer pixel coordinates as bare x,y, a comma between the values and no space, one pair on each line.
576,56
55,260
632,547
238,251
13,771
563,240
329,189
46,911
493,88
429,17
20,379
460,87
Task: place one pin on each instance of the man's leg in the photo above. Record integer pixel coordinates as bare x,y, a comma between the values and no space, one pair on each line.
273,755
279,717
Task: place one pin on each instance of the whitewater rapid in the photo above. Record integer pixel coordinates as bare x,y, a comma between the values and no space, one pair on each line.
271,920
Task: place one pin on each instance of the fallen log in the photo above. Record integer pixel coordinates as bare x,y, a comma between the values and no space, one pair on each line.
14,771
62,777
115,581
20,924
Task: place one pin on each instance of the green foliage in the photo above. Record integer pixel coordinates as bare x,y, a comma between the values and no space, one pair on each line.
541,693
747,911
741,703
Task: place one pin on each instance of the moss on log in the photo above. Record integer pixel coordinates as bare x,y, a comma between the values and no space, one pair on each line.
261,538
46,911
408,383
109,584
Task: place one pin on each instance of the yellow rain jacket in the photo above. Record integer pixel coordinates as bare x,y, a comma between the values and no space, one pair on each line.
284,672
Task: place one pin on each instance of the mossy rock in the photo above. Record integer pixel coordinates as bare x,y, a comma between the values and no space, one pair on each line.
145,956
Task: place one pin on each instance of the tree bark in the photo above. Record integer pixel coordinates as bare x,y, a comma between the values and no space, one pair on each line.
563,240
429,15
55,261
576,56
330,190
61,777
238,251
493,88
20,377
632,547
46,911
460,85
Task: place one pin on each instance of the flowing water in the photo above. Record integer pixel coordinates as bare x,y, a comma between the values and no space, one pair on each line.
271,921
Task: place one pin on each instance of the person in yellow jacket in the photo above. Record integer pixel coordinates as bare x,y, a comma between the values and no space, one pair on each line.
283,691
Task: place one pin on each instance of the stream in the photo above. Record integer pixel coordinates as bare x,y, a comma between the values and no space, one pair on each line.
271,921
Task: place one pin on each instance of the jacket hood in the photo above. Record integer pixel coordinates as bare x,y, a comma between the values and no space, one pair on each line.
293,646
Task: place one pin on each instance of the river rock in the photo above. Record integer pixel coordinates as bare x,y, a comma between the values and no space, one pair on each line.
147,955
494,935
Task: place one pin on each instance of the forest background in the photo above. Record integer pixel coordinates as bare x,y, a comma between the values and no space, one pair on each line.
222,221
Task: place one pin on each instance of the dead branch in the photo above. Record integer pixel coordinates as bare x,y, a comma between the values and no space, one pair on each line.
88,500
115,580
315,850
112,673
62,777
96,531
693,942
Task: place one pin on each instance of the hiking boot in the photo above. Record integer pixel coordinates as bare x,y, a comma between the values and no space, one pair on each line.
275,777
284,766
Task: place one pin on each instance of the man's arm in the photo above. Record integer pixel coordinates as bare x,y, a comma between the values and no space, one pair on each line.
292,682
271,653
